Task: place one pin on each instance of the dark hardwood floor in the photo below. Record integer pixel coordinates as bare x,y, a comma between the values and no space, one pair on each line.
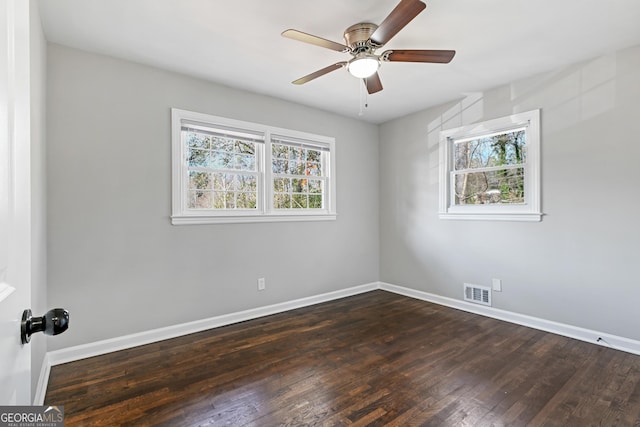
372,359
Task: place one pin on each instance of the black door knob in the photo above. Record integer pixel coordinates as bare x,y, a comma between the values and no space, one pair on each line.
54,322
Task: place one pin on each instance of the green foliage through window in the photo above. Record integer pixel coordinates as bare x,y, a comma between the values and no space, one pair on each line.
298,181
490,169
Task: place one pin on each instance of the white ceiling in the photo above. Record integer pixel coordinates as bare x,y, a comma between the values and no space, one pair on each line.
238,43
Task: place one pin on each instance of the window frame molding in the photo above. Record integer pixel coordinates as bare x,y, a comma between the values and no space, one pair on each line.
264,212
530,210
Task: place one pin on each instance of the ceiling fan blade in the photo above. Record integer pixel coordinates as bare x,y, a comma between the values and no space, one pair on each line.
311,39
373,83
404,12
322,72
437,56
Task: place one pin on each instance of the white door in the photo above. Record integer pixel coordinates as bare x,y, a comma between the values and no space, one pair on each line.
15,204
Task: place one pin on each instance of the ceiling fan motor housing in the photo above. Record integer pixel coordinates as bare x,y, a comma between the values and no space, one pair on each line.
357,37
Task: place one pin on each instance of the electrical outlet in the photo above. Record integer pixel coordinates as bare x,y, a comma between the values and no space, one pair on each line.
497,285
261,284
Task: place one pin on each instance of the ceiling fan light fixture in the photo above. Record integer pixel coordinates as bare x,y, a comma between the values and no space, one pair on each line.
363,66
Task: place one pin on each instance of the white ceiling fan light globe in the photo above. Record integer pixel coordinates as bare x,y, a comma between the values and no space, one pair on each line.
363,66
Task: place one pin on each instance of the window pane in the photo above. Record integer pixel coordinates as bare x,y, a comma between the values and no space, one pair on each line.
198,158
281,185
246,201
245,147
199,200
221,144
245,162
296,153
299,185
494,187
197,140
280,166
281,201
315,201
296,167
279,151
299,201
313,169
223,181
246,183
314,156
199,180
498,150
221,160
315,186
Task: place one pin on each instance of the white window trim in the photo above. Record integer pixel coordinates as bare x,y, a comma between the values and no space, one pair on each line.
530,209
265,212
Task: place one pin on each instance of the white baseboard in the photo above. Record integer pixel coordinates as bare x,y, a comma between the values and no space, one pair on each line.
97,348
582,334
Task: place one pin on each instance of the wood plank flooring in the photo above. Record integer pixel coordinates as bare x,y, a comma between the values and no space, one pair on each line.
372,359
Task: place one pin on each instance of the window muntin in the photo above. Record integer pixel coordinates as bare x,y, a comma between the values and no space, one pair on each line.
226,170
491,170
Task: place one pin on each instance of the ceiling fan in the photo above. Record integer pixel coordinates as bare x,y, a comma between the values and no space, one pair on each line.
363,39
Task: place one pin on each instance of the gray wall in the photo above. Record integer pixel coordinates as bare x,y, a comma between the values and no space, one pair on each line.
579,265
114,259
38,58
112,250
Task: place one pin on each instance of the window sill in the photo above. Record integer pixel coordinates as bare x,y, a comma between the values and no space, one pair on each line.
522,217
235,219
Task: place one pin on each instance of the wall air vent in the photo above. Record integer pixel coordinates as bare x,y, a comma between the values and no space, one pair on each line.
477,294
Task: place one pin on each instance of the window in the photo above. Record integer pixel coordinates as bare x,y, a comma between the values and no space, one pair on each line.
222,168
491,170
297,174
231,171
